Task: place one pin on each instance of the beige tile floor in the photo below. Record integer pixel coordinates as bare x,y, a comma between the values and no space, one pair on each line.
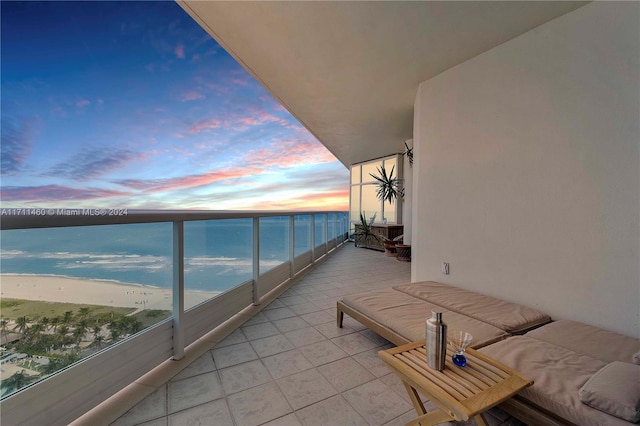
291,365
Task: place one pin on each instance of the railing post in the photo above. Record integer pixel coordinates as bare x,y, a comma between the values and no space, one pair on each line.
256,259
336,217
178,289
326,233
345,227
312,238
292,242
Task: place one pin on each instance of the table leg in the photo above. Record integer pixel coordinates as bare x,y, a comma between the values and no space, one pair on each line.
430,419
415,399
480,420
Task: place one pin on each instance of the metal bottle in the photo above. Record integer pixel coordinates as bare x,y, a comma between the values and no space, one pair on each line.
436,341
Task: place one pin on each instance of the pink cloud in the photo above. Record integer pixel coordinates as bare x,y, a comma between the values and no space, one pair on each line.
190,181
267,117
290,153
217,88
53,193
249,121
183,151
205,125
239,82
93,163
81,103
191,95
179,51
258,118
17,139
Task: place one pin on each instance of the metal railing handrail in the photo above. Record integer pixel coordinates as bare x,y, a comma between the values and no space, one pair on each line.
28,218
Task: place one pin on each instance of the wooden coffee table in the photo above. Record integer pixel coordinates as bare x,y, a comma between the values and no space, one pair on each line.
460,393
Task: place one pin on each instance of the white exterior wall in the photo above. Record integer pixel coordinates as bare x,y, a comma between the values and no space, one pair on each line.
527,170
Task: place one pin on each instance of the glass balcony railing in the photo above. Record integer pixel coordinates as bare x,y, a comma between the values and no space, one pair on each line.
114,296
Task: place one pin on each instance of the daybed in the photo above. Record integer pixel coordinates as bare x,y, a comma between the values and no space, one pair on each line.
569,362
399,313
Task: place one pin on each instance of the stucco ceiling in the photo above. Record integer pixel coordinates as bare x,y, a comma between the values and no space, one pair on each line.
349,70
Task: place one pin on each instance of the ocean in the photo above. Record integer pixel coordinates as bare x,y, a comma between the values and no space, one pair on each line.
218,253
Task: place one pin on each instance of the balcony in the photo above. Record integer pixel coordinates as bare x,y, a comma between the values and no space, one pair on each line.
270,249
289,364
281,360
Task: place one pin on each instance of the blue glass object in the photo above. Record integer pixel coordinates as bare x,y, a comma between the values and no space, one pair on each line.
459,360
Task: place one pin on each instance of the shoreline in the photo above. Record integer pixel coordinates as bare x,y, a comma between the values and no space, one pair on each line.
103,280
57,288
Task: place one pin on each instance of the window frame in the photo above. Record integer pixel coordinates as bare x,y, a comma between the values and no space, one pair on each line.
358,181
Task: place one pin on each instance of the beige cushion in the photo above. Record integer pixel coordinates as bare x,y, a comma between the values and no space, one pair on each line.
507,316
407,315
615,389
558,375
589,340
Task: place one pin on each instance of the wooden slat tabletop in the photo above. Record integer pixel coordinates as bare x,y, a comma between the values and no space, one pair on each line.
462,392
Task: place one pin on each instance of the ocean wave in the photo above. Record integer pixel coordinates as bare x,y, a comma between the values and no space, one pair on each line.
11,253
228,261
216,261
118,262
69,255
113,266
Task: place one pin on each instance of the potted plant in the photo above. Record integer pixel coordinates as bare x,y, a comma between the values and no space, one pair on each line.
388,188
364,231
403,252
390,245
408,152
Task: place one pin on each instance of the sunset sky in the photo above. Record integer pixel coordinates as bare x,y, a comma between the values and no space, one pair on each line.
133,105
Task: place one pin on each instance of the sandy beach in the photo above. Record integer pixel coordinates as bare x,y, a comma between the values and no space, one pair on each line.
107,293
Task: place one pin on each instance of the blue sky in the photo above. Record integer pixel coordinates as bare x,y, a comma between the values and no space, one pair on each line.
133,105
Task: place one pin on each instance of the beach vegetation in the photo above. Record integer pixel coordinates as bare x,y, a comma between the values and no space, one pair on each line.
58,362
10,303
67,317
98,341
96,330
17,381
39,308
50,339
22,324
3,326
152,316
